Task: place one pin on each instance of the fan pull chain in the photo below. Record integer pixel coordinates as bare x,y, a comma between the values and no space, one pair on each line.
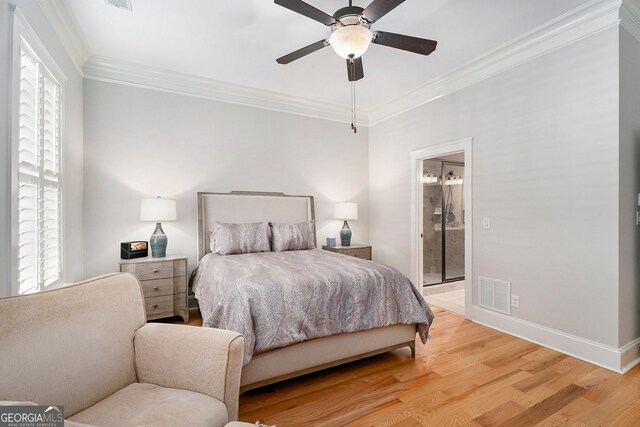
353,107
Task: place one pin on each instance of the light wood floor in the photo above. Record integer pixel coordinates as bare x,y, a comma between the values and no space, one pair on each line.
467,374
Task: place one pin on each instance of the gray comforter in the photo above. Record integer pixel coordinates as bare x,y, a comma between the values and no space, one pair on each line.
276,299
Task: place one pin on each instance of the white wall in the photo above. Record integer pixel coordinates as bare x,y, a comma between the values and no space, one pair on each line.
142,143
629,188
72,147
545,169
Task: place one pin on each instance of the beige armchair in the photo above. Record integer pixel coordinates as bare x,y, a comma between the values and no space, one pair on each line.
87,347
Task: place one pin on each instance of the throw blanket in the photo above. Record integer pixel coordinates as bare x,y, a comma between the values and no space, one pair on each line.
276,299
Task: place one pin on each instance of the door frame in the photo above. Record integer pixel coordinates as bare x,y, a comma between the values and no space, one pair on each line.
417,156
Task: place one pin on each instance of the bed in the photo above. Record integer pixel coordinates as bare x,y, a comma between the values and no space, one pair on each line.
300,311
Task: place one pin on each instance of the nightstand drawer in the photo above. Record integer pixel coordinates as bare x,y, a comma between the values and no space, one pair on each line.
357,251
364,253
158,307
157,287
154,270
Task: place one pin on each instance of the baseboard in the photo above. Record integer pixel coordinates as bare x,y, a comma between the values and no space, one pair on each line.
619,360
630,355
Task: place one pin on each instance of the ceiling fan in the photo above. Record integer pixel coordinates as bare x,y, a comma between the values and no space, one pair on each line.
351,34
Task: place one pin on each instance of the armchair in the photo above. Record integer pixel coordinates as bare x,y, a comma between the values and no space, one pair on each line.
87,347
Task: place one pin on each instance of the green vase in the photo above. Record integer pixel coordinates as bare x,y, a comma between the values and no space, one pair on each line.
158,242
345,234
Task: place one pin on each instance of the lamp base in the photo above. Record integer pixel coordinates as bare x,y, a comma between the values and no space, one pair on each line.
345,235
158,242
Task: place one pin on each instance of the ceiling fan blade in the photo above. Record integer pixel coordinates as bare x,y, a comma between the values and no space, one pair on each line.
355,70
408,43
378,8
302,52
307,10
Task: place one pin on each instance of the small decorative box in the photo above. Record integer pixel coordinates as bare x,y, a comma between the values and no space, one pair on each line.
331,241
131,250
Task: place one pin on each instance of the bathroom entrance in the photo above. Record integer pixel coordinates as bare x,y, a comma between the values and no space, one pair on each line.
443,227
441,251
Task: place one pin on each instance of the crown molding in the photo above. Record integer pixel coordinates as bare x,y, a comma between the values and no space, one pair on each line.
588,19
66,26
584,21
630,17
113,71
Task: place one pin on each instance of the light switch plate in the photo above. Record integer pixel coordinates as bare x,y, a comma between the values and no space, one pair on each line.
637,217
486,222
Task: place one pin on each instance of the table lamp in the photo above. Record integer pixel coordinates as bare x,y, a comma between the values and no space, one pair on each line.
346,211
158,210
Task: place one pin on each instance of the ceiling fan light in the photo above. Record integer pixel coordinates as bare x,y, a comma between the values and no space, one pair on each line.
351,41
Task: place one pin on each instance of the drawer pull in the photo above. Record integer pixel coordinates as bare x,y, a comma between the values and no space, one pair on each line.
155,288
155,270
155,305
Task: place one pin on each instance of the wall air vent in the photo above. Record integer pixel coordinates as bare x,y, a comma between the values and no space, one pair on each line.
120,4
495,295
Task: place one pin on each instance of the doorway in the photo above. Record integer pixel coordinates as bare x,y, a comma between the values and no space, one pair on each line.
441,251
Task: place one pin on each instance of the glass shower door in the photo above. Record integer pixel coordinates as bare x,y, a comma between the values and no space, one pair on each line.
453,219
432,222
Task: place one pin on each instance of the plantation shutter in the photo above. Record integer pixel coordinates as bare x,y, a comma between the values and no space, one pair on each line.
39,184
28,175
50,218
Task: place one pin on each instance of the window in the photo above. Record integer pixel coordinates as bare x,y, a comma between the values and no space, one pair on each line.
37,180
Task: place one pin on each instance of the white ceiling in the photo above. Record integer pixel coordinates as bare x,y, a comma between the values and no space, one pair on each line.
238,41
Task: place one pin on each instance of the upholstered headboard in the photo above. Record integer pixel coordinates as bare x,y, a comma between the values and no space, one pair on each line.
243,207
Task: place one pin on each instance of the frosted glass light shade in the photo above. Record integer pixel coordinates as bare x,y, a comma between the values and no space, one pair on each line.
429,178
158,210
453,180
346,211
351,41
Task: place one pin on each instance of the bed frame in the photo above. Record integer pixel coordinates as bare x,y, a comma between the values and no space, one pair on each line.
309,356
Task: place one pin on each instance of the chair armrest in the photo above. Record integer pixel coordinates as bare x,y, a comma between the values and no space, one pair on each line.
203,360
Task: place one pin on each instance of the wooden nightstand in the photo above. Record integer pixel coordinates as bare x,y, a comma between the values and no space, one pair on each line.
164,284
355,250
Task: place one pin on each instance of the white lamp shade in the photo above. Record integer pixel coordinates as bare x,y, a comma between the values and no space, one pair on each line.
346,210
158,210
351,41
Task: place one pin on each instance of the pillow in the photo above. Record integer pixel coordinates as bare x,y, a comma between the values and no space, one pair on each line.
229,239
293,237
214,243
